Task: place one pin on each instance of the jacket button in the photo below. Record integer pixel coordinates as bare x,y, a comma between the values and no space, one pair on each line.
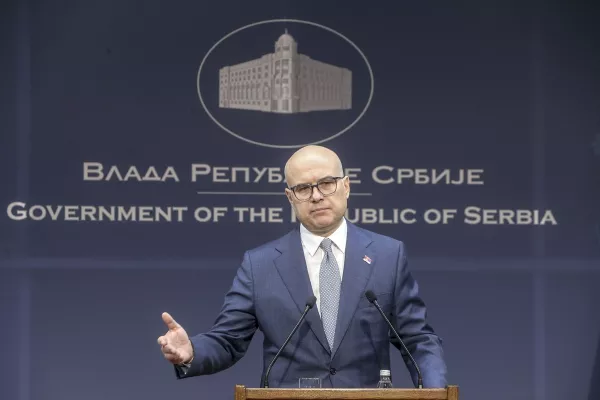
332,371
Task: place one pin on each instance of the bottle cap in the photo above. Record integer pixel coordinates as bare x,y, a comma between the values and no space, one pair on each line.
384,372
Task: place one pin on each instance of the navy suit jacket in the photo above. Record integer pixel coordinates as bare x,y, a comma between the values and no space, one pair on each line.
270,292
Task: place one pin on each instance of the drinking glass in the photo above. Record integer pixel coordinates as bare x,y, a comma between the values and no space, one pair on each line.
309,383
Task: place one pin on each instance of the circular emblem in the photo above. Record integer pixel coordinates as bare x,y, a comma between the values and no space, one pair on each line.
285,83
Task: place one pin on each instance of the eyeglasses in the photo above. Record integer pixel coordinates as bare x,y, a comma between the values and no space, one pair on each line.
326,186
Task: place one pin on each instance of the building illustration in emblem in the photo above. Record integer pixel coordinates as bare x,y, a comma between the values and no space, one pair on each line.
285,82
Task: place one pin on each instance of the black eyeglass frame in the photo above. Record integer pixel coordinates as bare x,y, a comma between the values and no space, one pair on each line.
311,186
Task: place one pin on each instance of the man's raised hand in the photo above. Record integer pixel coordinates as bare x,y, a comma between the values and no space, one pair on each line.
175,343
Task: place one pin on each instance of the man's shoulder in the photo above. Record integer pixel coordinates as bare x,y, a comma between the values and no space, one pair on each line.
271,246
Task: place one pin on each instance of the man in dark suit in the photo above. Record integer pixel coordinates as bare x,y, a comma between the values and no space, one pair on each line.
344,340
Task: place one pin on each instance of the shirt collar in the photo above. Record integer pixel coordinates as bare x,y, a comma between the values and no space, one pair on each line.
312,241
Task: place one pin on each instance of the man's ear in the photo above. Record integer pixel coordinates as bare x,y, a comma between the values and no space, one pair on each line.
289,194
347,185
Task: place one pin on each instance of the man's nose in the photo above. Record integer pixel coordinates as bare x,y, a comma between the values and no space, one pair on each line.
316,195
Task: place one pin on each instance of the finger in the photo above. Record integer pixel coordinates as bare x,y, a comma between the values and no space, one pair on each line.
169,321
173,359
162,340
172,354
172,350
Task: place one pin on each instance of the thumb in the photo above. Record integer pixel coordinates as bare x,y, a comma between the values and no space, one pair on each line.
169,321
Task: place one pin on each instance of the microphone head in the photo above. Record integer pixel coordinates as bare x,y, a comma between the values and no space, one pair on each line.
311,301
370,296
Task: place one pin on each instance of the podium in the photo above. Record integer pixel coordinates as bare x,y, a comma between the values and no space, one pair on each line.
244,393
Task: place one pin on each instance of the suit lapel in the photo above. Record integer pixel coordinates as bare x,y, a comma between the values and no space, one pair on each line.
356,275
291,266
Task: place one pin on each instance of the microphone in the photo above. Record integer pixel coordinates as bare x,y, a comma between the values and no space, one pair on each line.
309,304
373,299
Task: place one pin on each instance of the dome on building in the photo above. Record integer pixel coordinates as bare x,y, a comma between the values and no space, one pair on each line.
286,39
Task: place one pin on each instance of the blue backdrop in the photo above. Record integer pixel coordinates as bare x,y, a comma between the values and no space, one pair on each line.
128,190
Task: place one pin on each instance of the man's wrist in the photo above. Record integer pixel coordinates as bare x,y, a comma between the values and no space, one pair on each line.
188,362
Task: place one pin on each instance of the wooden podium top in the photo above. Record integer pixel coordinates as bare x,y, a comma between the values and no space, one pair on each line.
244,393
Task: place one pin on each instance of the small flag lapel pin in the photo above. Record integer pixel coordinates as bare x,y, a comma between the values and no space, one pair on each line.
367,259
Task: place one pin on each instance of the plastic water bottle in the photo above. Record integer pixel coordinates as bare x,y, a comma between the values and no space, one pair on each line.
385,382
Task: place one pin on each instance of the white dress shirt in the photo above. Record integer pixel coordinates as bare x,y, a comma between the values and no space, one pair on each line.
313,254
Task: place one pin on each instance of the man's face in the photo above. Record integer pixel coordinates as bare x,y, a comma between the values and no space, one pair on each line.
319,213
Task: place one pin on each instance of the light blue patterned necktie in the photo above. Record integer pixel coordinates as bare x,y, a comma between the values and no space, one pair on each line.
329,291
